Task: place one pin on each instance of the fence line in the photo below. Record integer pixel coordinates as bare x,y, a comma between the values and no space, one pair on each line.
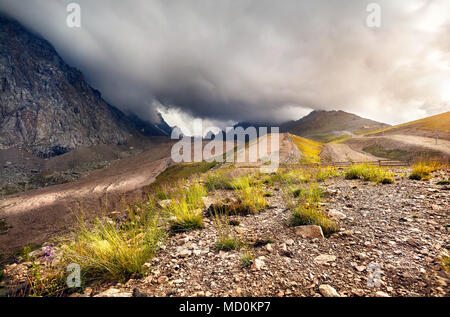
390,163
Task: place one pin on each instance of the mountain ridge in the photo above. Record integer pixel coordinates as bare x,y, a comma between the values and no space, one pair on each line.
47,107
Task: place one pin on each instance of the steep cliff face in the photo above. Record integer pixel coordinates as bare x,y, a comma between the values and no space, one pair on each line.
47,107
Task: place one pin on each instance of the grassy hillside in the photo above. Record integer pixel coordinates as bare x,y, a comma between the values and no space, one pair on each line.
440,122
310,149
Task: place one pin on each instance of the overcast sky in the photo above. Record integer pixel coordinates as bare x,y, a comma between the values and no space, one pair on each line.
236,60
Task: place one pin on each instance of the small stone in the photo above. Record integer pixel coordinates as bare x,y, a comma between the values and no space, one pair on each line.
328,291
162,279
269,247
324,258
289,242
178,281
184,253
309,232
138,293
333,213
87,291
114,292
360,268
381,294
258,264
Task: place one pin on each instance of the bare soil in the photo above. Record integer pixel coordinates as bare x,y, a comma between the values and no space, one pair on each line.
35,216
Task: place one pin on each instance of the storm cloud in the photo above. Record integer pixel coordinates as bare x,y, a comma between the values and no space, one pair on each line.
259,60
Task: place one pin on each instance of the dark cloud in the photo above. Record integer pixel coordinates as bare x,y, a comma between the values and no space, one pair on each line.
254,59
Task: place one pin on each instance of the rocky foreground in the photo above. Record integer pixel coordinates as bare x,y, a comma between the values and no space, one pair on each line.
391,240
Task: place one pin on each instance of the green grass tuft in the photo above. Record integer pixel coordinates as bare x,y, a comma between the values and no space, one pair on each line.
369,172
305,214
115,251
423,170
227,239
247,259
250,193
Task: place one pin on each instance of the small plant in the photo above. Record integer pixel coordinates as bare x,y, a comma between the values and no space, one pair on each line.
251,194
309,214
218,180
194,194
227,239
228,243
247,259
369,172
45,281
443,182
322,174
115,251
263,242
312,193
184,217
423,170
268,194
446,262
185,209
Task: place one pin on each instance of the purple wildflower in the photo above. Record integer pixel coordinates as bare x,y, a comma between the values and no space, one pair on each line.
49,254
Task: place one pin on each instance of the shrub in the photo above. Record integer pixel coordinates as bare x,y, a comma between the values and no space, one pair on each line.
305,214
112,250
185,210
251,194
369,172
184,217
312,193
228,243
322,174
295,176
422,170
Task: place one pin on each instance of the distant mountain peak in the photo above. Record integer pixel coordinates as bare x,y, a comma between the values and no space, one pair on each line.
321,124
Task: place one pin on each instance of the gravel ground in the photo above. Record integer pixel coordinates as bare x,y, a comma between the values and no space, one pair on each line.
389,245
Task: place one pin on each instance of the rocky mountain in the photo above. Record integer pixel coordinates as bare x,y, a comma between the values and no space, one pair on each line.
47,107
323,125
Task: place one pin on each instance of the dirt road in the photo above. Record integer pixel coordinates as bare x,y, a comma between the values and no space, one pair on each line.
429,143
35,216
344,153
